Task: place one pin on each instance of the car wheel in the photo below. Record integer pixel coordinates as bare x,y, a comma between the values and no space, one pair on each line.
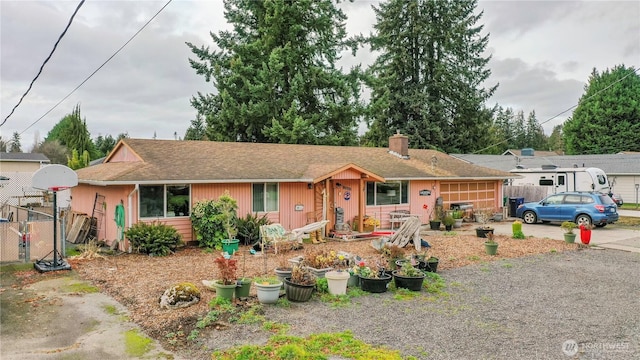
583,220
529,217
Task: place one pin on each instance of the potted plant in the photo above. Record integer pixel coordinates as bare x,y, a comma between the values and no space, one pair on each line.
227,207
373,280
448,222
434,221
429,264
569,235
490,246
226,283
483,217
244,283
268,289
516,230
338,279
319,260
392,253
300,286
283,269
370,223
457,216
408,277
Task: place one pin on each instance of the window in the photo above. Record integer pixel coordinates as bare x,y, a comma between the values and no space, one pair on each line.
265,197
164,200
560,179
554,199
389,193
602,179
546,182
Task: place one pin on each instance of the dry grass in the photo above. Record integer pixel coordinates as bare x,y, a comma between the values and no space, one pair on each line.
137,281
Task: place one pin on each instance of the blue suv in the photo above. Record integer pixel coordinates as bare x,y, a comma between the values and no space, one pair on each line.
580,207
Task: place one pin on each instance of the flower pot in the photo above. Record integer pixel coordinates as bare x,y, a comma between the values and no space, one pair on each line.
268,293
429,265
320,273
482,232
458,223
408,282
283,273
585,235
230,246
243,288
491,248
570,238
448,227
298,292
225,291
354,281
337,282
372,285
434,225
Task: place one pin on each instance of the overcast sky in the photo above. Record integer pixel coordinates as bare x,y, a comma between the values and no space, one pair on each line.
542,55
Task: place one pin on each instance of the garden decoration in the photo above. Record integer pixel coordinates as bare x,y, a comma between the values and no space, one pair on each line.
516,230
585,233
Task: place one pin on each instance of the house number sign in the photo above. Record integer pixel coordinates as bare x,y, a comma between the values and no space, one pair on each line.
347,195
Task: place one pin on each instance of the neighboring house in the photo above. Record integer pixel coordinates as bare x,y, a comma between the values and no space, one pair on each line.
529,152
18,168
623,169
293,184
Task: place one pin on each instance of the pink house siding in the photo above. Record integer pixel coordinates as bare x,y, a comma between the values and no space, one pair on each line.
83,198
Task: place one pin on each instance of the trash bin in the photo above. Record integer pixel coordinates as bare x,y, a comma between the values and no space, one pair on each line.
514,202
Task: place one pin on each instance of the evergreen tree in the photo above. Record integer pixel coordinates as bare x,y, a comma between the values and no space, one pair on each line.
534,133
15,146
72,132
426,82
104,144
607,119
197,130
276,76
555,142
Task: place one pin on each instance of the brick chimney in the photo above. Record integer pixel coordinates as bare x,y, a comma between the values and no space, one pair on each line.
399,145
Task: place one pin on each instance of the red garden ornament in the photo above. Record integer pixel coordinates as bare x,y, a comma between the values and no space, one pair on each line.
585,234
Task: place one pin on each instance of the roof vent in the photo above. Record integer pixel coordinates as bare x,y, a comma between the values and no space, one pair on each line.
526,152
549,167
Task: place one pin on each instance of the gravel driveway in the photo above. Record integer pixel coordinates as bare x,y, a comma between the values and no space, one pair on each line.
581,304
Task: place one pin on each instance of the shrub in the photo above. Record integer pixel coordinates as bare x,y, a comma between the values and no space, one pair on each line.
214,221
249,228
154,238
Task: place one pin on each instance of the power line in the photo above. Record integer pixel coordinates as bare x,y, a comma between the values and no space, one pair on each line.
98,69
571,108
45,62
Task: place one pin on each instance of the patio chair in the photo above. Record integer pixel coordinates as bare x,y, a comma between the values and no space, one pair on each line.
410,230
276,235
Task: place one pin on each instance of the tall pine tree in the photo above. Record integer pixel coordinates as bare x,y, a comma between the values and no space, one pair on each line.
607,119
275,75
426,82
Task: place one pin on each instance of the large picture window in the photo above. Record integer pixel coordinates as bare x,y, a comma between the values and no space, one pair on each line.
164,200
389,193
264,197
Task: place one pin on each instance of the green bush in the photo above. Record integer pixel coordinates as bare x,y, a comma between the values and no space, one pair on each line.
249,228
154,238
214,221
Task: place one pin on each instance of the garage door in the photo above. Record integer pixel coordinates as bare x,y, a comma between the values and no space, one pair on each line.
481,193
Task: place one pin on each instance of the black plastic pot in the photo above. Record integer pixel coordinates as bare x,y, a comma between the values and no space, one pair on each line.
434,225
430,265
372,285
482,233
406,282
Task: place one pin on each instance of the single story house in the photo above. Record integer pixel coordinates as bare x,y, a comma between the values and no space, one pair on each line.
293,184
623,169
16,169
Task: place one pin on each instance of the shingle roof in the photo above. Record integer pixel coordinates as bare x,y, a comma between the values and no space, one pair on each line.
208,161
24,157
611,164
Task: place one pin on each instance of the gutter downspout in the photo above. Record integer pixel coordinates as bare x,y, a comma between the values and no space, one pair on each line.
130,217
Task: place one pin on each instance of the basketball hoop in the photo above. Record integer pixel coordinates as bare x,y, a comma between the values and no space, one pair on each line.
54,178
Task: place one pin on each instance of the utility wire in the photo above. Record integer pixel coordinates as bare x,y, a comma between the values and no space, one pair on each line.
45,62
100,67
555,116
